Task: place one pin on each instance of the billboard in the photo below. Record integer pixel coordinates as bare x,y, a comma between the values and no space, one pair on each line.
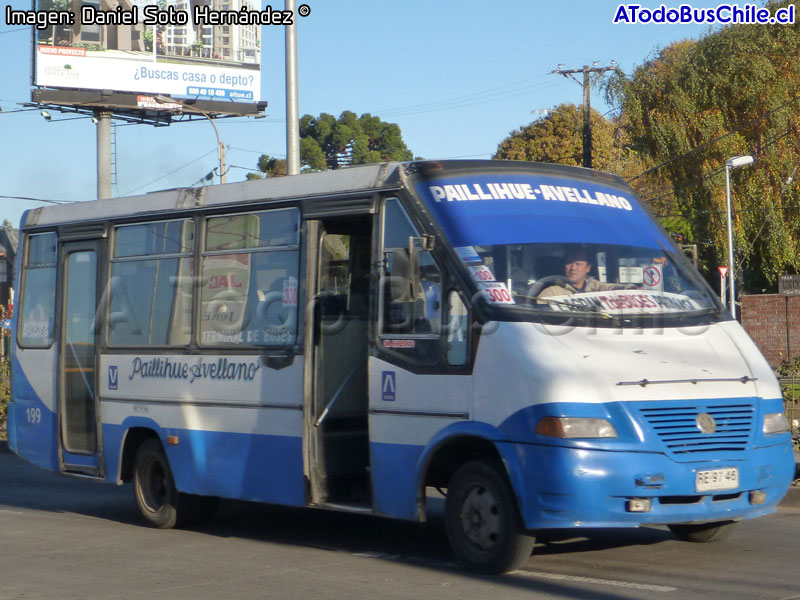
208,49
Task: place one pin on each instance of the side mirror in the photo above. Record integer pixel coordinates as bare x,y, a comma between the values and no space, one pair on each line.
416,245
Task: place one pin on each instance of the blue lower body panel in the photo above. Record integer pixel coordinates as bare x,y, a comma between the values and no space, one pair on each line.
32,427
568,487
395,479
260,468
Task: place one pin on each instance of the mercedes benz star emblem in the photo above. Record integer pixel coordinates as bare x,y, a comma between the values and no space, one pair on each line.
706,423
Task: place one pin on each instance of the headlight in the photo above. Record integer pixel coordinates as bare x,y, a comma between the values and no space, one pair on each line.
775,423
575,427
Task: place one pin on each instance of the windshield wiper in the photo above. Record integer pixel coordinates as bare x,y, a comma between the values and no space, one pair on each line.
701,312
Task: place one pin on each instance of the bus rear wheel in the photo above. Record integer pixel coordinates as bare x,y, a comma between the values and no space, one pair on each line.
703,532
154,488
482,522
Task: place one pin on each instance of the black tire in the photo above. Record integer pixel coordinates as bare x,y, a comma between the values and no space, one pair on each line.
703,532
482,521
154,488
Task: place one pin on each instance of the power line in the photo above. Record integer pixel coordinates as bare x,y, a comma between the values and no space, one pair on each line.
39,199
129,192
770,142
461,102
276,154
514,85
717,139
464,156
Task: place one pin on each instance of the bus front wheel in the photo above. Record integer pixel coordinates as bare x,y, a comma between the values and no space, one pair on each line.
481,520
154,487
703,532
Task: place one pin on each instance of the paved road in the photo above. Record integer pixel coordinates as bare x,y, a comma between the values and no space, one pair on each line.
63,538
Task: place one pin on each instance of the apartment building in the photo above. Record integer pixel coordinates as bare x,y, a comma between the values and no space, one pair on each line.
238,44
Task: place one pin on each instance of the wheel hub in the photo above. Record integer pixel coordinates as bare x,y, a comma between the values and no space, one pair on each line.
480,518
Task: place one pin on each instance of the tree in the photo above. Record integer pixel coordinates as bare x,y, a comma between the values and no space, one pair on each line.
270,167
557,138
327,142
330,143
695,105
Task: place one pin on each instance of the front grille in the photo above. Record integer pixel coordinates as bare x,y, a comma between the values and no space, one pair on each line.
676,426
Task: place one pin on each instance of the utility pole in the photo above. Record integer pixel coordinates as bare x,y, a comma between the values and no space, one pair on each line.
587,108
292,104
103,119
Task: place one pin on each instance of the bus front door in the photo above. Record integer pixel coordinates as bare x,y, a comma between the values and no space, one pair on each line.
337,424
78,426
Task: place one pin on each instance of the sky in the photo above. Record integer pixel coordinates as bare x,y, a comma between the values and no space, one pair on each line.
457,76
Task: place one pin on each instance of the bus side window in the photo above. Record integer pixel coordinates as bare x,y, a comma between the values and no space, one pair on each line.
249,274
39,292
151,284
411,292
412,299
457,328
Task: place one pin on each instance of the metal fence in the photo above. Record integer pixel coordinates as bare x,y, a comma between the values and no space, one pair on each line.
791,396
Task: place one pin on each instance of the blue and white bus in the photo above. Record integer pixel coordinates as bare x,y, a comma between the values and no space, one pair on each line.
522,336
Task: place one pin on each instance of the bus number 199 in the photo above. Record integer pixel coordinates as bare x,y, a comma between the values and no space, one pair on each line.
34,415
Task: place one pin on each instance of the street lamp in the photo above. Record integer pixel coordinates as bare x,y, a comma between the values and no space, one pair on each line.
732,163
162,99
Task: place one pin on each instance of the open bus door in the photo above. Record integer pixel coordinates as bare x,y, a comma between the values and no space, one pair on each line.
336,415
77,365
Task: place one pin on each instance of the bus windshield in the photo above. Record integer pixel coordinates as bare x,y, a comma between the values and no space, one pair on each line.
549,243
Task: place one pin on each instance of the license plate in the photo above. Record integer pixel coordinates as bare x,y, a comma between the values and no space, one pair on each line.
717,479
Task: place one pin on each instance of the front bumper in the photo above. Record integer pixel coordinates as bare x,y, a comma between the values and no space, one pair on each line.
561,487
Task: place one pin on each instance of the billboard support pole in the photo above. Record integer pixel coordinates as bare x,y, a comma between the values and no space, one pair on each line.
103,154
292,109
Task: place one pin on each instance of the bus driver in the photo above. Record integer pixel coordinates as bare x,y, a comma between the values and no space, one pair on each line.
577,265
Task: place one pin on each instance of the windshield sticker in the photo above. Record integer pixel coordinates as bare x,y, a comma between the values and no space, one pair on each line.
481,273
630,275
623,301
290,291
35,328
496,292
653,278
468,254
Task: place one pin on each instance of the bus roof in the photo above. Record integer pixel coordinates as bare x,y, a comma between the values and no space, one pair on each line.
362,179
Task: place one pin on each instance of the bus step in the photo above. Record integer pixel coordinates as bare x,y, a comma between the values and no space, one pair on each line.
352,507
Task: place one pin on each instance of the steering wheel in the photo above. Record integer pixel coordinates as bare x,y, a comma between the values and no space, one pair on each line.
545,282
